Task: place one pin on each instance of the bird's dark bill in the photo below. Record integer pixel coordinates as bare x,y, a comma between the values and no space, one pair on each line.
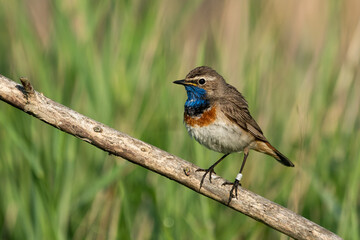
182,82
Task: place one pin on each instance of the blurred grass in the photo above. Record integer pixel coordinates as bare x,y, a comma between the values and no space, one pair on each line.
296,63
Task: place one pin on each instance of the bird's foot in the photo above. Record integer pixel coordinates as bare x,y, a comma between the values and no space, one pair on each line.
235,185
210,170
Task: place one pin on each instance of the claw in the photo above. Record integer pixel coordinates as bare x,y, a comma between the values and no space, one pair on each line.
211,170
235,185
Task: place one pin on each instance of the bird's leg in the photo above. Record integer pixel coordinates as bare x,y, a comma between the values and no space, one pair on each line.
236,183
210,169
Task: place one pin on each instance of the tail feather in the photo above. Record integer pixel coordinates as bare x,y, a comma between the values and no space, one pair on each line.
267,148
282,159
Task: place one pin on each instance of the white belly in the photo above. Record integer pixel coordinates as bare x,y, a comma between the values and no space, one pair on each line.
221,136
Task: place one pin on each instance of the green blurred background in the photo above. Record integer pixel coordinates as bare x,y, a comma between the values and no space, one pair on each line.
296,62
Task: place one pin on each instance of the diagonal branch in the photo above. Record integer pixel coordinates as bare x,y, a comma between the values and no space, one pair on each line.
25,98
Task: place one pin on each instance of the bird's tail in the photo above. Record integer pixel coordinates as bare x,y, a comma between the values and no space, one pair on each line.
266,147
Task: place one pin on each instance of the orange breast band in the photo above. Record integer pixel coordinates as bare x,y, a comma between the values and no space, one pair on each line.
206,118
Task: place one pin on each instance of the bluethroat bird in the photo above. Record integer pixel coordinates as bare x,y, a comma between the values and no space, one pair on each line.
217,116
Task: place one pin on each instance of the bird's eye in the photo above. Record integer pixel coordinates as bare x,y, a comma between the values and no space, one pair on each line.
202,81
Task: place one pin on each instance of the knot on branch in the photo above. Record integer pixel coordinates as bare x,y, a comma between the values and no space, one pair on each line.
29,90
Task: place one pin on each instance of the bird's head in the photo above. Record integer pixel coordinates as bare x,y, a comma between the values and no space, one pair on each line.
203,83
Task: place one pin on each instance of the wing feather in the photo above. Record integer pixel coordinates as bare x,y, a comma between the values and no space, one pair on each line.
236,109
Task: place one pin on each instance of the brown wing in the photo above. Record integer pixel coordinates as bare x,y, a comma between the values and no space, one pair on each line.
235,108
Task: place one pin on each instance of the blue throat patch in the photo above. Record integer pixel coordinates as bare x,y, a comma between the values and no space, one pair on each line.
196,102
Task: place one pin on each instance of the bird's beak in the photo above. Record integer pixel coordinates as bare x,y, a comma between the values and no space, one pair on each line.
183,82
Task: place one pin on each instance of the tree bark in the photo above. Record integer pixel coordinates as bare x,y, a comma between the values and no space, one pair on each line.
25,98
